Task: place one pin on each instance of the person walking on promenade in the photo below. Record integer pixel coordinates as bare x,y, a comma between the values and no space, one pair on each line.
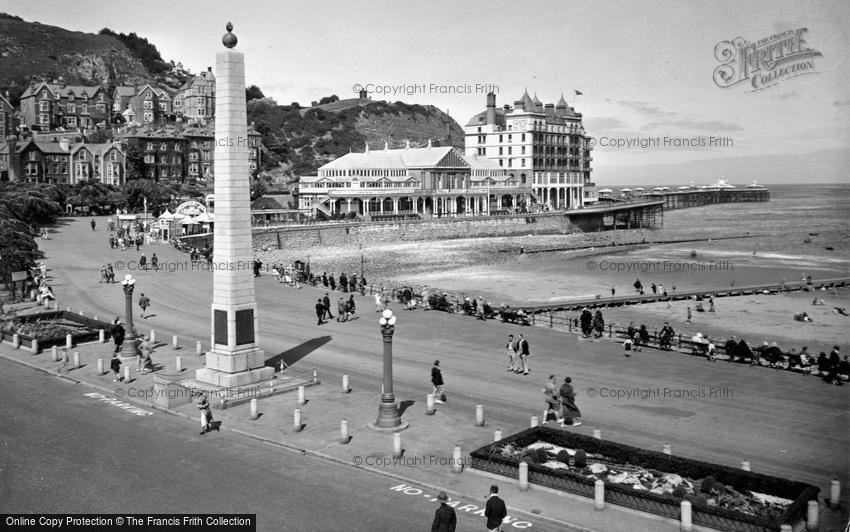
332,281
690,316
378,304
144,303
104,276
553,404
511,351
437,381
524,353
145,362
118,334
320,311
598,324
44,233
154,262
351,308
569,410
138,241
586,320
206,414
111,241
115,365
445,519
110,273
343,282
638,286
92,224
340,310
143,262
495,510
325,279
352,283
387,299
327,302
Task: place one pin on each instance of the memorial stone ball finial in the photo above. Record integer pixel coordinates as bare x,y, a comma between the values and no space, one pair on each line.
229,39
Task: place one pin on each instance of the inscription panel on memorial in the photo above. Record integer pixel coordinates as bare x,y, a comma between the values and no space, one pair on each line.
220,326
245,326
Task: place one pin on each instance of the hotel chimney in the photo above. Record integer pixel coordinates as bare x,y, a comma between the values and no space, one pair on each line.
491,109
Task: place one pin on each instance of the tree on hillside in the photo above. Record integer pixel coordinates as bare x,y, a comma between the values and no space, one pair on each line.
134,161
253,93
144,49
258,188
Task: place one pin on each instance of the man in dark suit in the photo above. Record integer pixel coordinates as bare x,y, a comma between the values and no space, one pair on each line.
524,352
320,311
327,302
445,519
495,511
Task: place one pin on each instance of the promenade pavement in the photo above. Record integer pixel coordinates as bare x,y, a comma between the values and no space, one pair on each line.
793,426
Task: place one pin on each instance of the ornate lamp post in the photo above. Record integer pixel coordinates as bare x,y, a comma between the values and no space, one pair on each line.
129,348
389,419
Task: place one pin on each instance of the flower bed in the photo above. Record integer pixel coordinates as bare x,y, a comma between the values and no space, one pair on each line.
51,328
723,498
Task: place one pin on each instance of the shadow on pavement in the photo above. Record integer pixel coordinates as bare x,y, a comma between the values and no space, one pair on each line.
298,352
404,405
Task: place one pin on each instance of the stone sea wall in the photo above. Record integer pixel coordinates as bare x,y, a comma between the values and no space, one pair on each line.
355,234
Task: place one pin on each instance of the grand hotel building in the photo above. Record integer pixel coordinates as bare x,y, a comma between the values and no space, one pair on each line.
413,183
544,145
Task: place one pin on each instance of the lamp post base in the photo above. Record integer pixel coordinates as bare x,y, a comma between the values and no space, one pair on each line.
389,418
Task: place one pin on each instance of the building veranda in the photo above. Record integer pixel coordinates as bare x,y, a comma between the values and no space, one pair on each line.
413,183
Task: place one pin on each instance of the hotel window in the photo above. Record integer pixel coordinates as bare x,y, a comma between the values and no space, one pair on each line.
523,137
33,156
510,137
72,120
84,108
201,111
44,118
43,105
148,117
72,108
44,94
163,106
113,156
510,163
148,104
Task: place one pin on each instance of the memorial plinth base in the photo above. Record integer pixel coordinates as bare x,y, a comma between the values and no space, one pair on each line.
229,370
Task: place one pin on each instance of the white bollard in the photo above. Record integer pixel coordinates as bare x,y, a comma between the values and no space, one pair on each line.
69,341
301,399
497,435
429,405
345,388
812,516
535,421
479,415
254,414
100,366
153,337
834,492
597,434
54,353
178,362
296,420
523,476
343,432
666,449
199,348
457,460
686,519
175,343
16,341
315,376
126,373
34,346
76,359
397,445
599,495
101,336
745,465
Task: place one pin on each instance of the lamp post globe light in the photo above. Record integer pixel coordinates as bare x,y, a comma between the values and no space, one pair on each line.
389,419
129,348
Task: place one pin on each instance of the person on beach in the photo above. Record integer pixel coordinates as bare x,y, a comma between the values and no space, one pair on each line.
320,311
638,286
144,303
511,351
731,348
437,381
553,404
745,354
495,510
613,291
445,518
654,288
115,365
524,353
643,338
569,410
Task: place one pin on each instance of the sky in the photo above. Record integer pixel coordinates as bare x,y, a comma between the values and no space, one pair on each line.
646,70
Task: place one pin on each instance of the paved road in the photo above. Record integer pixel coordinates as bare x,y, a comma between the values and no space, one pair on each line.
793,425
65,452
